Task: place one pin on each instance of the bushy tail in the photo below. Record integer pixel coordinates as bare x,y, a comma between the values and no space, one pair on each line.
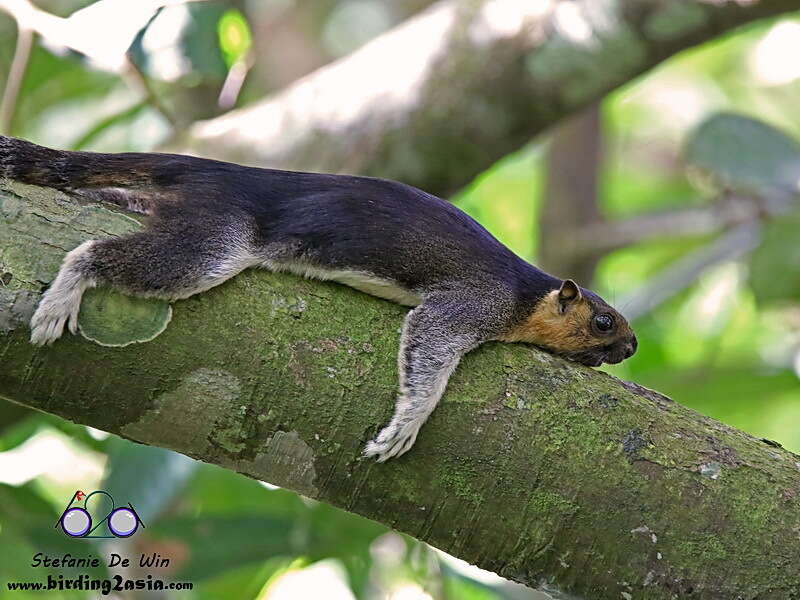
131,180
63,169
30,163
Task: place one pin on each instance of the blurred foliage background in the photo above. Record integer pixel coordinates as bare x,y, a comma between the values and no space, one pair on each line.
699,155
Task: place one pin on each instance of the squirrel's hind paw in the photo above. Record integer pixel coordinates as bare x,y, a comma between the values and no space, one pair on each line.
50,318
392,441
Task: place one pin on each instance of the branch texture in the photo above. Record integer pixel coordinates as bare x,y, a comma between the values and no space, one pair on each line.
443,96
546,472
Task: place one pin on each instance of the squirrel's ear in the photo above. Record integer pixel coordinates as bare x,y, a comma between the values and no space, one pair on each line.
569,293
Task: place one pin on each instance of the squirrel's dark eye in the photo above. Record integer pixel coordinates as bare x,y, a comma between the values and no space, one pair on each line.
604,322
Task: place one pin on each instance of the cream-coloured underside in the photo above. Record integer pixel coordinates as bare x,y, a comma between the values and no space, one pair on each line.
360,280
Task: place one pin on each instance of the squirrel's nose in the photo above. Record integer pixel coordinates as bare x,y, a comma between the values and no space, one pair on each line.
630,348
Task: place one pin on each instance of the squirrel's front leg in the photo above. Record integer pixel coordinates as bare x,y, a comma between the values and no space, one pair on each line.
435,336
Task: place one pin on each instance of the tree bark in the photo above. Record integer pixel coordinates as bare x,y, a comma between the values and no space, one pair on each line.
544,471
571,199
442,97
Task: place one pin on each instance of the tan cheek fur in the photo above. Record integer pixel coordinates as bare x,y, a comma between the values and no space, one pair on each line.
548,327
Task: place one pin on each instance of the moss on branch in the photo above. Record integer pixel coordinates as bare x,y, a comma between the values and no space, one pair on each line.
544,471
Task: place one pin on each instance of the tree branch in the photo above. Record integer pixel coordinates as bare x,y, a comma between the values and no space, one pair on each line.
549,473
570,201
440,98
683,272
730,211
16,75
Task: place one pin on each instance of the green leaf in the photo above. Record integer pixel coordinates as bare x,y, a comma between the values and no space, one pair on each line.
17,424
745,155
234,36
26,517
775,264
346,537
52,82
103,125
218,492
243,583
236,521
147,477
216,544
185,37
457,585
12,434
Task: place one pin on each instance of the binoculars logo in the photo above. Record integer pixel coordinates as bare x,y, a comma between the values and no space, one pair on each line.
77,522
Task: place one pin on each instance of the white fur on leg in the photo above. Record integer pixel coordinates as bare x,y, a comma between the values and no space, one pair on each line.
410,415
394,440
62,301
420,388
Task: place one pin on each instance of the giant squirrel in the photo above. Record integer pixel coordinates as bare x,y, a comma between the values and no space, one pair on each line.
209,220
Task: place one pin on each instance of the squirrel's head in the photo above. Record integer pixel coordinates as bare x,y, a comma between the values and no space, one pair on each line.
577,324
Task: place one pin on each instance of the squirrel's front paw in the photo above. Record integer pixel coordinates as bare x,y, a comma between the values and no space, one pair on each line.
52,314
392,441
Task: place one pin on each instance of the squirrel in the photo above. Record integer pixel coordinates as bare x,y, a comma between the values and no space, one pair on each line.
209,220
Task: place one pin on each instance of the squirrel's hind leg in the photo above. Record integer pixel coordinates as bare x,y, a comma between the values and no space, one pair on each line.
163,263
62,300
435,336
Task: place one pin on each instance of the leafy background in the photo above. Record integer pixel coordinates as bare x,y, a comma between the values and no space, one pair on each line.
716,122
